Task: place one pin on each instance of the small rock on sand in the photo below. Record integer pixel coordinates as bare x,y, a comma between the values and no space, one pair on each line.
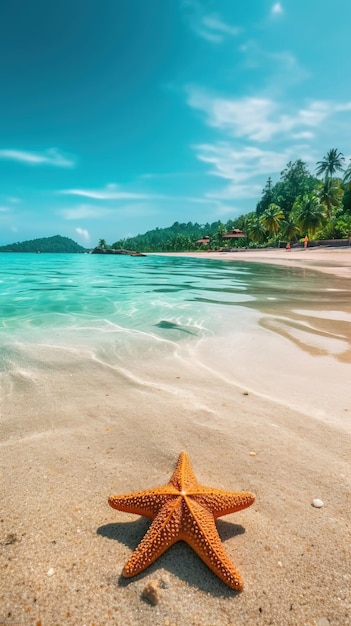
151,592
317,503
9,539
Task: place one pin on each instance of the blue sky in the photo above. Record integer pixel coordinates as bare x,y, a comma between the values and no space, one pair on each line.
120,116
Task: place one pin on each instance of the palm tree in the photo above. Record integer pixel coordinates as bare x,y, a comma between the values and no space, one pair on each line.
271,218
308,212
102,243
290,230
330,194
331,163
347,175
256,230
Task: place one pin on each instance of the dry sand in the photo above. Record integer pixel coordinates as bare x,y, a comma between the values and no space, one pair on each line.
75,430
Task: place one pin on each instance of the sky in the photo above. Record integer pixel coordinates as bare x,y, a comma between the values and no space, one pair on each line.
120,116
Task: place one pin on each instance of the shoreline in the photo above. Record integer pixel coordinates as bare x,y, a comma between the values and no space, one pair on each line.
335,261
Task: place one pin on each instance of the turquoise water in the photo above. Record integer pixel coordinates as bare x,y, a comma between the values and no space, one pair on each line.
159,319
82,296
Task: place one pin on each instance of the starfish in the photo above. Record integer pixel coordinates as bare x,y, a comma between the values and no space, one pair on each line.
183,510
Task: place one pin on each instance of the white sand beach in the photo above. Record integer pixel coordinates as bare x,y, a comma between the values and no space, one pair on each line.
335,261
270,417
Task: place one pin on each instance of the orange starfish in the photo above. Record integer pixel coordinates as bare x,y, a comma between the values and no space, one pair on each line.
183,510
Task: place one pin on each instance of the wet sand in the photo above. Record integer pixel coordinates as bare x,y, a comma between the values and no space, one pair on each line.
335,261
76,429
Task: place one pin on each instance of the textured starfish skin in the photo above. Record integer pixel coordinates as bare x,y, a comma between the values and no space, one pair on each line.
183,510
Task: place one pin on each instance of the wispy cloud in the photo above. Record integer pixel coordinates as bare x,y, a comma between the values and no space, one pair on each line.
4,209
82,232
255,56
84,211
239,164
277,8
261,119
213,26
241,168
264,125
94,212
208,26
110,192
222,210
52,156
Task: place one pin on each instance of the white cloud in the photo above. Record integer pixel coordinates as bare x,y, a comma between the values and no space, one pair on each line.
250,125
222,210
282,67
82,232
110,192
343,107
194,200
261,119
214,25
233,191
242,168
137,209
92,212
226,161
4,209
304,134
277,8
212,37
245,117
52,156
210,27
84,211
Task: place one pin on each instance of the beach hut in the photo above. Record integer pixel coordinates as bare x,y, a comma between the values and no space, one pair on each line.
204,241
234,233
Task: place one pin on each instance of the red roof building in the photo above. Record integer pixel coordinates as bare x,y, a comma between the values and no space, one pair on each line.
234,233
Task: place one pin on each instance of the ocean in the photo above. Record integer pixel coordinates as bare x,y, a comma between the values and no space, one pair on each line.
233,319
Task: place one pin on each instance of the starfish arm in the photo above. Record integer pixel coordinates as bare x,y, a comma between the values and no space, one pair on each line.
201,534
147,503
183,477
221,502
163,533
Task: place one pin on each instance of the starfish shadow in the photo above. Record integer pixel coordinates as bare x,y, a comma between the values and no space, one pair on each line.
179,559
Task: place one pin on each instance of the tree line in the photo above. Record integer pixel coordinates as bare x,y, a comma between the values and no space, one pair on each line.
299,204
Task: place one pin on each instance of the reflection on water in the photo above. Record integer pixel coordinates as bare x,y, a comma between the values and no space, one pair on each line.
172,298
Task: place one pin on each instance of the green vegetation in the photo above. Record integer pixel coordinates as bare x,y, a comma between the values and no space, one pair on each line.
45,244
298,204
179,237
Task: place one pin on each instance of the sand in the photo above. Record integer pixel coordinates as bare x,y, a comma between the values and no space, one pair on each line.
75,430
335,261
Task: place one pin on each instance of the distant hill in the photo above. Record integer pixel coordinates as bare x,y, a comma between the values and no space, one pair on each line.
45,244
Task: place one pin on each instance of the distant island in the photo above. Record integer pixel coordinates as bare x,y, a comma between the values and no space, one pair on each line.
45,244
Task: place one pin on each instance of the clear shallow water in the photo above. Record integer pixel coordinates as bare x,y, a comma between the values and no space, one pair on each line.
199,324
50,298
